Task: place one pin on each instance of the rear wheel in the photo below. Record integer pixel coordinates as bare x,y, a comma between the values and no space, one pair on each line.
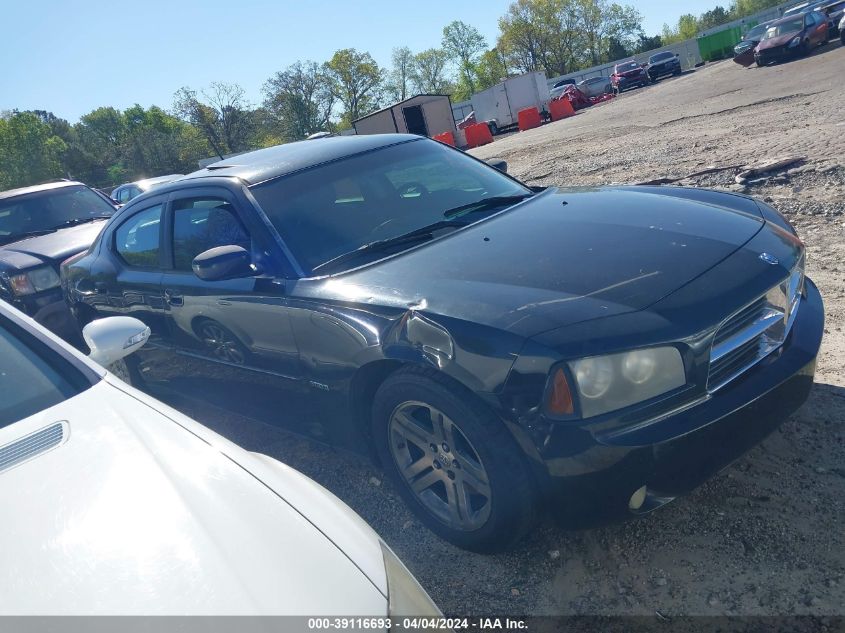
453,461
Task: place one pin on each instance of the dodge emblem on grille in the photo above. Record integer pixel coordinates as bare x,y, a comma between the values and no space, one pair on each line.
769,259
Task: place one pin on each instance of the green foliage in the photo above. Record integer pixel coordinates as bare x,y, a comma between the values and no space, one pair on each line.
31,152
298,102
400,79
561,36
430,72
463,44
689,26
354,79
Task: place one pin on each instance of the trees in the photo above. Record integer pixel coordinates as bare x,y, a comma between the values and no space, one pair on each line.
222,115
31,152
354,79
463,44
559,36
400,79
298,101
430,71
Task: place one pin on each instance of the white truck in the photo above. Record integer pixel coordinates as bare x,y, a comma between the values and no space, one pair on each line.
499,106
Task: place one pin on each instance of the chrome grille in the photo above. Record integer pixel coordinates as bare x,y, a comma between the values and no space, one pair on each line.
755,331
21,450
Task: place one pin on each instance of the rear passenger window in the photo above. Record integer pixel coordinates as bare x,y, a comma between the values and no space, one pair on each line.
203,223
137,239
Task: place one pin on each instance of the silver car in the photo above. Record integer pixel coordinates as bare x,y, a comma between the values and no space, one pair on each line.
595,86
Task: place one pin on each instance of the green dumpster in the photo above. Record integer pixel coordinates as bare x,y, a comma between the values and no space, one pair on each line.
719,45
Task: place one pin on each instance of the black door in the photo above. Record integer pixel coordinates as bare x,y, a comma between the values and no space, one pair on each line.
128,280
232,339
415,120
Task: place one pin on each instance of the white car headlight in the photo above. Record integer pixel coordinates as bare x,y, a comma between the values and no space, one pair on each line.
405,596
607,383
34,280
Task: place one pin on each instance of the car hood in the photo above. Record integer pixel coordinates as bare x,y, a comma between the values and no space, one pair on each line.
134,513
52,248
561,257
780,40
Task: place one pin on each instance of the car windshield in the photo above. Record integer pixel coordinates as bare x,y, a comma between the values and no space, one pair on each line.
328,211
623,68
784,29
756,32
660,57
30,380
46,211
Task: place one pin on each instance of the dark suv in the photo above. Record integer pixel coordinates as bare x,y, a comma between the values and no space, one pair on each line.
663,64
40,227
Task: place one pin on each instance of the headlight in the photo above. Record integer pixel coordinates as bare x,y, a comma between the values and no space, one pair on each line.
34,280
795,41
405,596
607,383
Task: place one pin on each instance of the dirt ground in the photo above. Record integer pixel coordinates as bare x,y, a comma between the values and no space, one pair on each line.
765,537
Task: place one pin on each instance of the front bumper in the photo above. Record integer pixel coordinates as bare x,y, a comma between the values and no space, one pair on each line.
772,55
591,477
623,83
663,71
50,310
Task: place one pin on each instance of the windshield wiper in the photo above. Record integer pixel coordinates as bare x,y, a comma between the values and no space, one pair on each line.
417,235
485,204
76,221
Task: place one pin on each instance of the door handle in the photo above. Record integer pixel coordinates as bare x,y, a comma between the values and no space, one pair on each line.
173,298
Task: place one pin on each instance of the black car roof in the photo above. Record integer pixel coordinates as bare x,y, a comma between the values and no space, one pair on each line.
264,164
12,193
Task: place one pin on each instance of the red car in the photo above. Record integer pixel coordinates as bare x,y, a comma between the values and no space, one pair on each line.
628,74
791,37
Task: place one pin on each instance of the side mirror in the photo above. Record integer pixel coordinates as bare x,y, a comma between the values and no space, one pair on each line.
499,164
113,338
224,262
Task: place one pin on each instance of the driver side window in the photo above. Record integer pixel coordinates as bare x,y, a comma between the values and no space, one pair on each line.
203,223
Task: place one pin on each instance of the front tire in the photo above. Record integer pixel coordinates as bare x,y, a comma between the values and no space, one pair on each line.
127,370
453,461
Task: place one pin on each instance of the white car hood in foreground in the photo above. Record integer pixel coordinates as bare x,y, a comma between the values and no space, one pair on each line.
135,513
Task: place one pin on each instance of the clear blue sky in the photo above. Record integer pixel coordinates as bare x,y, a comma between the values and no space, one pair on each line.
71,56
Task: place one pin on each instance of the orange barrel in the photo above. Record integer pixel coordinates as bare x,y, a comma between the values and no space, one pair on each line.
446,137
529,118
478,134
560,109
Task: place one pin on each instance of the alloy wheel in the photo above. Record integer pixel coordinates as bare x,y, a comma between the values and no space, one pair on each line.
440,465
221,343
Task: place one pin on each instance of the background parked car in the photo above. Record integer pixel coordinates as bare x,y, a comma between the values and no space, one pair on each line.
142,511
559,86
40,227
663,64
627,75
744,51
126,192
594,86
500,354
791,37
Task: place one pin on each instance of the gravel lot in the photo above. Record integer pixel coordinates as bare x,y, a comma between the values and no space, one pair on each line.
765,537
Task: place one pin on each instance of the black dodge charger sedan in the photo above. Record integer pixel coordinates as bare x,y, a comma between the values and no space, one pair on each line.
504,351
